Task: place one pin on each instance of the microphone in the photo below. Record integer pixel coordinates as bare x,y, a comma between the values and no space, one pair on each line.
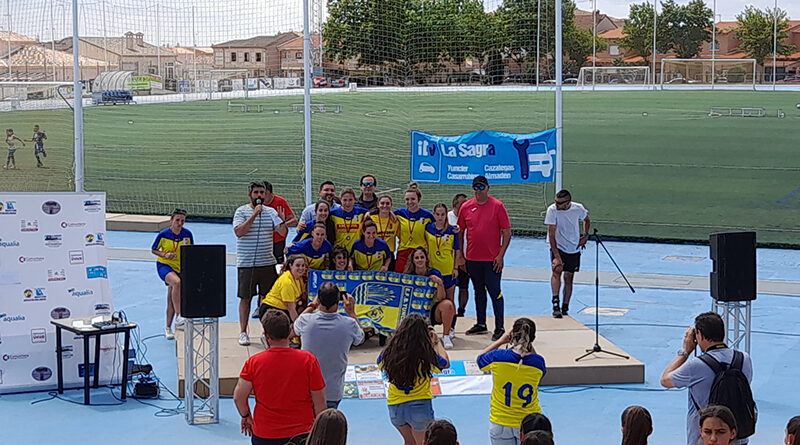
259,201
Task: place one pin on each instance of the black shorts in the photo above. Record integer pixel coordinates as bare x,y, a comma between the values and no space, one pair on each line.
433,313
463,279
277,250
256,280
297,440
571,261
263,308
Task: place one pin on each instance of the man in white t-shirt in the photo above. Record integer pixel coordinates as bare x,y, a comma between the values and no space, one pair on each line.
564,237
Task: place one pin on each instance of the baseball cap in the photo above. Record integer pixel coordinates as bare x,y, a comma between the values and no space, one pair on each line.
480,180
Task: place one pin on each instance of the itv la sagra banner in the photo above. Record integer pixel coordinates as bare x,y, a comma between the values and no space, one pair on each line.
503,158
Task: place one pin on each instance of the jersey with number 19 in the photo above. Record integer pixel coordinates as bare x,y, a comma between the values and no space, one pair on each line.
515,392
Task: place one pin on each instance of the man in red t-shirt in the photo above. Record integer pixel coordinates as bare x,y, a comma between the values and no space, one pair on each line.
288,386
488,232
278,202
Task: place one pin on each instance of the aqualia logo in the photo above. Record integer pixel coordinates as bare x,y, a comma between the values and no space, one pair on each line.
78,293
5,244
11,318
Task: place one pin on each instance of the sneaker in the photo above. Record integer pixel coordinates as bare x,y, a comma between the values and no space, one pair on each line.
477,330
447,342
461,311
179,322
565,309
557,312
168,333
498,333
244,339
255,314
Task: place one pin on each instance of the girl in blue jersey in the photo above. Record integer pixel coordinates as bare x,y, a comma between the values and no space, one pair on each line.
413,355
516,373
443,309
322,212
167,247
370,252
316,249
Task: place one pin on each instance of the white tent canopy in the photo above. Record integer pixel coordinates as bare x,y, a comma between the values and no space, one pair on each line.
112,80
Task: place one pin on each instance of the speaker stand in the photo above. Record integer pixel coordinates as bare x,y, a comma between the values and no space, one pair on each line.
736,315
201,377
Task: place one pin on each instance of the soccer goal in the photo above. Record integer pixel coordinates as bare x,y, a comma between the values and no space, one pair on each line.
740,72
23,95
614,75
225,84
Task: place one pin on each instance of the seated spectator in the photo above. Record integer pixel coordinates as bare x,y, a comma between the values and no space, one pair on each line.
441,432
516,373
717,425
329,336
287,384
330,428
636,425
410,359
289,293
537,437
535,422
793,431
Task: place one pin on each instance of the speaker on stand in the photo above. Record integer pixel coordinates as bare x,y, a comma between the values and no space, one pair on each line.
733,283
202,302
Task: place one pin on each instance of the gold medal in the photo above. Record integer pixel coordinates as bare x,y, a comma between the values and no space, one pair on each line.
438,253
347,238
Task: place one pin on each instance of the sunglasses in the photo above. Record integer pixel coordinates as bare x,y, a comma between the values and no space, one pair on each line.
368,184
561,203
479,187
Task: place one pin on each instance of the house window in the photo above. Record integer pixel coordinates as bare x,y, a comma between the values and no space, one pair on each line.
246,57
258,57
298,55
613,50
233,56
287,55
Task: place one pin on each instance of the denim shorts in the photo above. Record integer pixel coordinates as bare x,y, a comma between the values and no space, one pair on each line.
416,413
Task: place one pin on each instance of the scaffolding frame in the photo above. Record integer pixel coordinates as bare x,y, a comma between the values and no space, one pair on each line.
737,318
201,382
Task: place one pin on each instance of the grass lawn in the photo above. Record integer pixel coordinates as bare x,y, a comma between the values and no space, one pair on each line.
672,173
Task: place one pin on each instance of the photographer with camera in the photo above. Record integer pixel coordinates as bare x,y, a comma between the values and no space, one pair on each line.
329,335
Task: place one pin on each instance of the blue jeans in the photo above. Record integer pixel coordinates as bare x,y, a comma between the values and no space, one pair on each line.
484,279
416,413
503,435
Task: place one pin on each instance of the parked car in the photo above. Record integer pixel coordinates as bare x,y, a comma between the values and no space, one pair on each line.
790,79
338,83
318,81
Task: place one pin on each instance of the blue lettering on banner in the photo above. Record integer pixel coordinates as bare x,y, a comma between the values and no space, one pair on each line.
503,158
96,272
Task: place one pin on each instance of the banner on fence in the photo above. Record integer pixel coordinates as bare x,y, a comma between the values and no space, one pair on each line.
52,265
382,298
503,158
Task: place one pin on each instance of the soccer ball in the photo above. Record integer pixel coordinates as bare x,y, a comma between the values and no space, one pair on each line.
798,106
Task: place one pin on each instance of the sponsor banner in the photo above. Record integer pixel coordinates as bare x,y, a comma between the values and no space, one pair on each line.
503,158
463,377
53,267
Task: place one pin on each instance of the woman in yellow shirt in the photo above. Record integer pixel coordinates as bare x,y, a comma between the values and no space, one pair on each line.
413,220
289,294
387,222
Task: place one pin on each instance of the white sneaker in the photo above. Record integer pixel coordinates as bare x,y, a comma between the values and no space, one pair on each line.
168,333
244,339
179,321
447,342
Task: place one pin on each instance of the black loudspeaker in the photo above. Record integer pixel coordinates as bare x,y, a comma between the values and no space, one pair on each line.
733,277
202,281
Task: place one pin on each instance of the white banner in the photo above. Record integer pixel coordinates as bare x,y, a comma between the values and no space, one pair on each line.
52,265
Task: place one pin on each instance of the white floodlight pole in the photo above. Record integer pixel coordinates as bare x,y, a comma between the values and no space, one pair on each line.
559,82
8,9
713,44
306,103
594,43
194,54
655,29
158,39
105,36
53,39
77,95
774,43
538,28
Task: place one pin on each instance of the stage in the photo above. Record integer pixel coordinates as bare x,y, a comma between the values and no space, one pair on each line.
560,341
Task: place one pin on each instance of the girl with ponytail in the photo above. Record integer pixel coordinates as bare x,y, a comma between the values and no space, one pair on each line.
516,372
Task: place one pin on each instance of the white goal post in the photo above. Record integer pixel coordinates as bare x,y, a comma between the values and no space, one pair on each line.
708,72
614,75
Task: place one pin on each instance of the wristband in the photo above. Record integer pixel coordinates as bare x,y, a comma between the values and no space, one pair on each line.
245,416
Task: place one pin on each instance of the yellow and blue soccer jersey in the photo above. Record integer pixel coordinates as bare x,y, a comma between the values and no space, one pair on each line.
515,392
316,259
370,258
167,241
412,227
421,389
305,233
387,230
442,245
348,225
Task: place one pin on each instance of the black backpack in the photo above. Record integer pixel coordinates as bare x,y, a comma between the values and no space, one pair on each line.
732,390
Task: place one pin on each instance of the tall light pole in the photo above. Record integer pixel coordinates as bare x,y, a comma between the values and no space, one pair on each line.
774,43
714,44
594,43
559,82
307,102
77,95
655,29
53,39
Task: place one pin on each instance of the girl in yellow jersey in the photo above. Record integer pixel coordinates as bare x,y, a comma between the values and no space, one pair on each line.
317,249
388,224
516,373
347,219
369,252
167,247
289,293
413,220
410,359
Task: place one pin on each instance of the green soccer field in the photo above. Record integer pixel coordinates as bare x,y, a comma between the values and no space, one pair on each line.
647,164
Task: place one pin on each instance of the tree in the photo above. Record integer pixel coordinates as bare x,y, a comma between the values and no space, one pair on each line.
578,46
685,27
755,31
638,31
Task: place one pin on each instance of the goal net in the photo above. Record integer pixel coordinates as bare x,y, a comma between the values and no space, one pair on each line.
676,72
614,75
